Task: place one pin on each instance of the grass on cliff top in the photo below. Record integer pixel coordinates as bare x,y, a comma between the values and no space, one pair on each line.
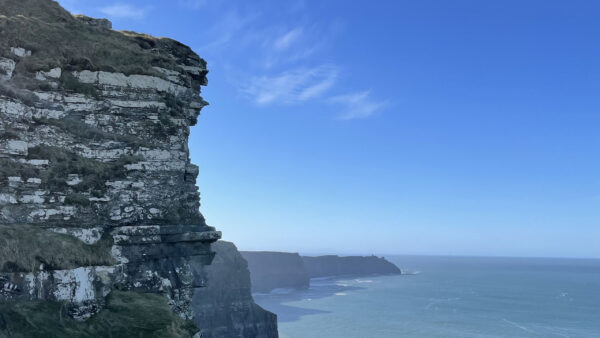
127,314
23,248
58,39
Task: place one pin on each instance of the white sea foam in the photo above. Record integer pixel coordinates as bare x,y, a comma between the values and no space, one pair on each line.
281,291
517,325
435,301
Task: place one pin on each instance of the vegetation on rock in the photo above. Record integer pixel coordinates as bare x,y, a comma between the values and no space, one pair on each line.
24,248
127,314
58,39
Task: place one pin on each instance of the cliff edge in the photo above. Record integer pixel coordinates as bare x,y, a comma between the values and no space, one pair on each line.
100,229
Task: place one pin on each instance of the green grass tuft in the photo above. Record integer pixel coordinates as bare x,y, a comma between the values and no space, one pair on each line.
23,248
127,314
71,83
57,39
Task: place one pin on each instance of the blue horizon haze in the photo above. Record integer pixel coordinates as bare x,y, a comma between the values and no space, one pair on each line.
393,127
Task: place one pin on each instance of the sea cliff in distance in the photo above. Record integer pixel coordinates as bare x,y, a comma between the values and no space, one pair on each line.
275,270
326,266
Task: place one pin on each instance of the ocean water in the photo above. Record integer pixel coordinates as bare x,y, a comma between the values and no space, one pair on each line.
448,297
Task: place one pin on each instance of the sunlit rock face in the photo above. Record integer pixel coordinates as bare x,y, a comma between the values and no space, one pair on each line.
97,191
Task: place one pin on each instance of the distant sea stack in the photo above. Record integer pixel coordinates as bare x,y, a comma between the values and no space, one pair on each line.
326,266
273,270
100,229
278,270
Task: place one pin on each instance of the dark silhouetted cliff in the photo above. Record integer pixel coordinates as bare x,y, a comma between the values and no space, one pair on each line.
225,308
325,266
272,270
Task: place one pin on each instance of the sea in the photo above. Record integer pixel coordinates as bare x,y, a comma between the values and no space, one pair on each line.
471,297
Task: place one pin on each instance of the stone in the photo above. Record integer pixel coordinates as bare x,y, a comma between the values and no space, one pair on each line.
7,66
100,23
53,73
18,51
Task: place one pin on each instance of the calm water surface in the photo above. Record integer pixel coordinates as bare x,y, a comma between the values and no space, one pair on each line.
449,297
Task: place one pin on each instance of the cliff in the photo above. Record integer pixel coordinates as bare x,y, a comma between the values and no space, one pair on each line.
272,270
326,266
225,308
100,229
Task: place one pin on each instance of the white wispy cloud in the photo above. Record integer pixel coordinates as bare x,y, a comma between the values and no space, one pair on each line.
193,4
287,39
269,57
358,105
232,30
124,11
291,86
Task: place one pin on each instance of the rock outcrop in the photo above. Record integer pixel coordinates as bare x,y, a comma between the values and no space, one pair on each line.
327,266
275,270
283,270
97,192
225,308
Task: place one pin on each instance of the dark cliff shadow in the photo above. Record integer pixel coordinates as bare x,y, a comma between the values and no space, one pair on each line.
277,300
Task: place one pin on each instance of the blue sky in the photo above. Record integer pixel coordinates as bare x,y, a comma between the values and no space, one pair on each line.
393,127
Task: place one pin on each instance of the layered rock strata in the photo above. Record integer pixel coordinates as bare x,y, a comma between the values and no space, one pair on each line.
97,191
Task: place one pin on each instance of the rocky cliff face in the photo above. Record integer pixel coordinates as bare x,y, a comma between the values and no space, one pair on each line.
97,192
273,270
225,308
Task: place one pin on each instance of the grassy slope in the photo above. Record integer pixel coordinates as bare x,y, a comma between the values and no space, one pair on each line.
128,314
57,39
24,247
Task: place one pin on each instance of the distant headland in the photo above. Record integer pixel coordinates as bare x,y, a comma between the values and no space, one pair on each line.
273,270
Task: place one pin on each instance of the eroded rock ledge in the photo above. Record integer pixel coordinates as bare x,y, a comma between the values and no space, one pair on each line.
97,191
